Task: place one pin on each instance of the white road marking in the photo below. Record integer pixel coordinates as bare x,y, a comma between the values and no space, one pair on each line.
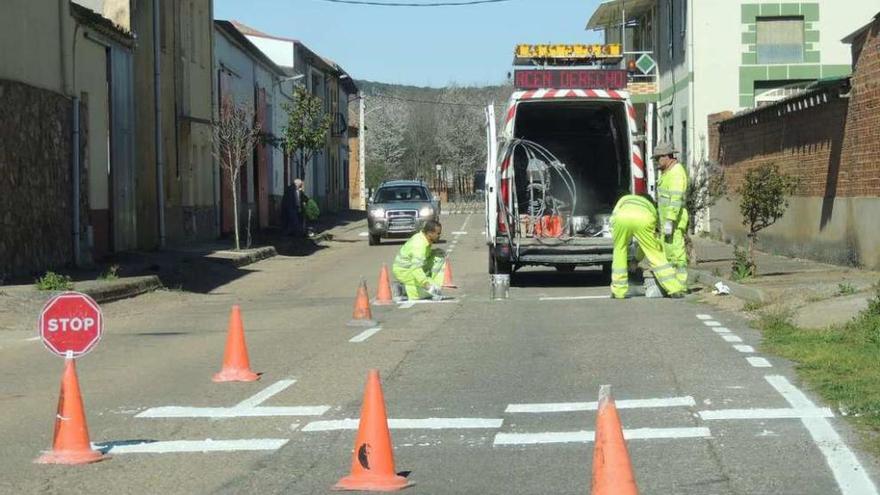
711,323
365,335
744,348
265,394
585,436
459,232
410,424
759,362
409,304
572,298
363,234
231,412
192,446
32,339
704,317
731,338
721,330
848,472
781,413
550,407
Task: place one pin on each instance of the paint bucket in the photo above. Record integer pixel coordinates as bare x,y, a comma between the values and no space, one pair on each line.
499,286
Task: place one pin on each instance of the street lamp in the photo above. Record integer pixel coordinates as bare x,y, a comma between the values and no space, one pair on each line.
291,78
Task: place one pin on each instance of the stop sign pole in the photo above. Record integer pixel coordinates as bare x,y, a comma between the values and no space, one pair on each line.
71,324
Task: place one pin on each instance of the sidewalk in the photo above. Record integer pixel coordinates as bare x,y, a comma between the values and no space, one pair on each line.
818,294
196,267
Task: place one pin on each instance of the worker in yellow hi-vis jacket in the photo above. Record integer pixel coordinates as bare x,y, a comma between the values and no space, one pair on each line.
418,267
635,217
671,194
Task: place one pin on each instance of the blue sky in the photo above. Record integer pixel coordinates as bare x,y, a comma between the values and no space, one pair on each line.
467,45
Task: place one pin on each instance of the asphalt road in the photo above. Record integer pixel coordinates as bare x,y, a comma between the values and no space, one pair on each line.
511,387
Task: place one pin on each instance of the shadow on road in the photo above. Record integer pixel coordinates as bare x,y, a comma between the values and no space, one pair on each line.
544,277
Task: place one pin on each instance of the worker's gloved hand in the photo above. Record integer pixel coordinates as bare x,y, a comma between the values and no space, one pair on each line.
667,228
435,291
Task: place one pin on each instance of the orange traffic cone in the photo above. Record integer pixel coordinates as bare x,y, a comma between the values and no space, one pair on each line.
372,463
363,315
612,468
236,365
447,275
71,443
383,297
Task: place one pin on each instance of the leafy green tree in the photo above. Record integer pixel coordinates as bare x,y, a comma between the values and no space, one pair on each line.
764,197
307,126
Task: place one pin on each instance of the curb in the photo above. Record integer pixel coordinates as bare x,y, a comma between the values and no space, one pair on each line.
741,291
122,289
239,259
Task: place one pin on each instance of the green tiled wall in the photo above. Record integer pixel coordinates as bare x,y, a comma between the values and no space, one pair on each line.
750,71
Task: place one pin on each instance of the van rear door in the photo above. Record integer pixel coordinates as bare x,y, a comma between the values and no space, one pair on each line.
491,176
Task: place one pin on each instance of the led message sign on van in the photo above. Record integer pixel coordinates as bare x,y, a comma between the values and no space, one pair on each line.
570,79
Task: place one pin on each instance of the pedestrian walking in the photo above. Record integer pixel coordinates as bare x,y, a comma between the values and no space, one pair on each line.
418,266
671,194
635,217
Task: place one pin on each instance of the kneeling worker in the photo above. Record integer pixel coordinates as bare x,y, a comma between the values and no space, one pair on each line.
417,266
636,217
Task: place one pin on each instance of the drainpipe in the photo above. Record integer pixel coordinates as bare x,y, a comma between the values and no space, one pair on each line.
68,87
157,94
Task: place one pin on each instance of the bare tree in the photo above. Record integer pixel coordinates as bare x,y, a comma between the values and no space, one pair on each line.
235,135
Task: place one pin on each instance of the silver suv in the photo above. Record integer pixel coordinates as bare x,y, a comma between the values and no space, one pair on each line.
399,208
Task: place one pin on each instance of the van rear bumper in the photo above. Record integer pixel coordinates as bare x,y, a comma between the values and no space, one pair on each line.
574,251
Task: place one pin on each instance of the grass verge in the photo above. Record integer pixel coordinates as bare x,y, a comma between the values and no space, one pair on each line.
840,363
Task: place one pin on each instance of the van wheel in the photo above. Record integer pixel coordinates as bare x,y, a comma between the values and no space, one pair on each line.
375,240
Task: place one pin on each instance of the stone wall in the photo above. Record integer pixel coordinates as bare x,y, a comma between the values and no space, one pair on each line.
35,180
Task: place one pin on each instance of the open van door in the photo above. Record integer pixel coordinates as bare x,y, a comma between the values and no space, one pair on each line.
650,173
491,176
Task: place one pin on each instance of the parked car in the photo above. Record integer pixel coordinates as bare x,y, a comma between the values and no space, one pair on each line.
400,208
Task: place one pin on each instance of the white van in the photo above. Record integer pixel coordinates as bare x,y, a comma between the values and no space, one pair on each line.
554,174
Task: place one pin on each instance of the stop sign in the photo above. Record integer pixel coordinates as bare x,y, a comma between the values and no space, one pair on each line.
71,324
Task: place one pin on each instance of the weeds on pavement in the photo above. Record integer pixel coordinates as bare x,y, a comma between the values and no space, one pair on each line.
742,267
112,273
840,363
845,289
54,281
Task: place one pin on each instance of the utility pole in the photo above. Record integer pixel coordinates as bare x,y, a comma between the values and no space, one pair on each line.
362,183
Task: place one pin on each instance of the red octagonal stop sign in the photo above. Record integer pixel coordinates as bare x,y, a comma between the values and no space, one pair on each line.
71,323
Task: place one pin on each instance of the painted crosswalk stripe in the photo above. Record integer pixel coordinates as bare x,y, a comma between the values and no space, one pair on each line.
586,436
572,298
711,323
704,317
254,444
459,232
410,424
731,338
364,335
777,413
744,348
759,362
721,330
550,407
231,412
265,394
848,472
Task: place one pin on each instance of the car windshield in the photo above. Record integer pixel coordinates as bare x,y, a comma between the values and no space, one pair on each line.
401,193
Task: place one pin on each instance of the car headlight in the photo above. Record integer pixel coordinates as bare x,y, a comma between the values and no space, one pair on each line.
426,211
377,213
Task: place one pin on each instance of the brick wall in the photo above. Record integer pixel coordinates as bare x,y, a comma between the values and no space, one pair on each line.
860,170
35,180
804,140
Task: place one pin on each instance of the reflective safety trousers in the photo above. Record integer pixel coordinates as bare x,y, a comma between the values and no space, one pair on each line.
417,266
635,217
671,194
